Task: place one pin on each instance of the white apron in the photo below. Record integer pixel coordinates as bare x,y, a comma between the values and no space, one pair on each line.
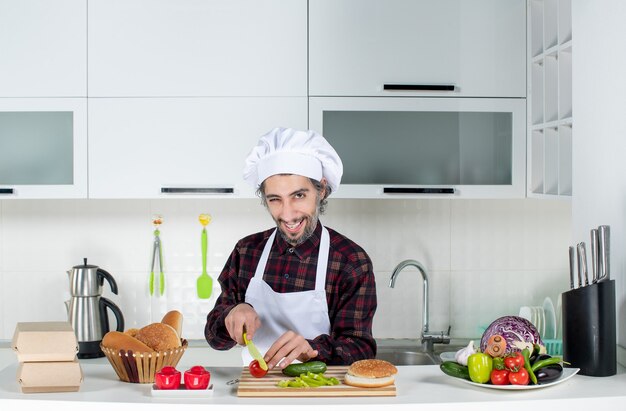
305,312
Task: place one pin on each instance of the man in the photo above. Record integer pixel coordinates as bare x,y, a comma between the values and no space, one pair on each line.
300,290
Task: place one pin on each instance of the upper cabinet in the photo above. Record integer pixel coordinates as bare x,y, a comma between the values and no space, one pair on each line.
550,98
43,148
190,48
43,48
417,48
180,147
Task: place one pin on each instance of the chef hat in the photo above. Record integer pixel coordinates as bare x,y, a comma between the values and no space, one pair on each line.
289,151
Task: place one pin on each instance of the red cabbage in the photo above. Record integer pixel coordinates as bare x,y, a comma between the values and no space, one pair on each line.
514,329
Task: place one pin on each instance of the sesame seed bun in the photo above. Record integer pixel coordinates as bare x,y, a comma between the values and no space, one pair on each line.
371,373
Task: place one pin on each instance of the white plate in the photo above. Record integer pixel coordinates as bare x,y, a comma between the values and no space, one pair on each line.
567,374
181,392
548,308
448,356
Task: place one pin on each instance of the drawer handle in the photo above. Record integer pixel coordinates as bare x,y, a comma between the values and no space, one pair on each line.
412,190
6,191
197,190
419,87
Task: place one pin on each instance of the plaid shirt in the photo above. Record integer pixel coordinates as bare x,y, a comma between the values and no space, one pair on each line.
350,291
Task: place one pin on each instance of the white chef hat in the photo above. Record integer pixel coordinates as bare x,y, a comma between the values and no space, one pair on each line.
289,151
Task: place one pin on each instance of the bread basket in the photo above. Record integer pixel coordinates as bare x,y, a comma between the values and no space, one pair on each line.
141,367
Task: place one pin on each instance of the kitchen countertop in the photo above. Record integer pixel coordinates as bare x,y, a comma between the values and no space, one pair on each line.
425,386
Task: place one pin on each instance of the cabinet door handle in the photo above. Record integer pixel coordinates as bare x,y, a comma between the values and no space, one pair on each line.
197,190
415,190
419,87
6,191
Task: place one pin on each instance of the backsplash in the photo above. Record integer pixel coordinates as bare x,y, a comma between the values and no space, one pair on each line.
484,258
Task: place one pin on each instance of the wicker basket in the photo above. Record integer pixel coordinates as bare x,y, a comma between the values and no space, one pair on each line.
141,367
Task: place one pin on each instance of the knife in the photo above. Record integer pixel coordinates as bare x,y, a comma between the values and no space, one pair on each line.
604,252
254,352
572,263
594,255
582,263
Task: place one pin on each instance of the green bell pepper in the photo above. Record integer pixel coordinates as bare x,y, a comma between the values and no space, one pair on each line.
479,366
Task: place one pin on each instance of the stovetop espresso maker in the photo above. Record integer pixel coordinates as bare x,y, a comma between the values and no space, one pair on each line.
87,309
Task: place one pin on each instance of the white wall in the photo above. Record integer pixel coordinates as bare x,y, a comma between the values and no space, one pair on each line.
485,258
599,135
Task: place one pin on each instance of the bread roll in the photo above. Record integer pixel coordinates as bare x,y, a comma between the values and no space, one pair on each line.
159,336
121,341
175,320
371,374
132,332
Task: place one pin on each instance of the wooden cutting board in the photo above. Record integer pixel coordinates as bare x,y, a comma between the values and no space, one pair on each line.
250,386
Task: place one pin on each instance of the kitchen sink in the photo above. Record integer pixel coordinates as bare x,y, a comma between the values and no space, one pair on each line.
402,357
410,352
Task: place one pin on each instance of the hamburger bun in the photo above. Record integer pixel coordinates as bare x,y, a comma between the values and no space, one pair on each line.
159,336
117,340
175,320
371,373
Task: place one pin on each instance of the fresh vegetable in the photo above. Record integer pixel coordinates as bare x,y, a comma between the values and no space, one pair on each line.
515,361
455,369
256,370
518,332
462,354
496,346
294,370
539,364
308,380
479,366
519,377
549,373
527,366
499,377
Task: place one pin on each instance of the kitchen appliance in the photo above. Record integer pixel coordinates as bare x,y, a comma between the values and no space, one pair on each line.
87,309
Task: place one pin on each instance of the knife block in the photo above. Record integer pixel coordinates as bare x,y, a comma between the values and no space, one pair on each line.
589,329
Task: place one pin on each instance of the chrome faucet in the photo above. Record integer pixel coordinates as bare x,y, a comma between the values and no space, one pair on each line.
428,338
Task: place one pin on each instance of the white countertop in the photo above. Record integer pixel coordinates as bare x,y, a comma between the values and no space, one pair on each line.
425,386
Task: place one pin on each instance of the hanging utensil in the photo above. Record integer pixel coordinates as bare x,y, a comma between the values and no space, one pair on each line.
157,253
204,284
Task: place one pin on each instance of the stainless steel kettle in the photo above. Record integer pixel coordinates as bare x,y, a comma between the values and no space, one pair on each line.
87,310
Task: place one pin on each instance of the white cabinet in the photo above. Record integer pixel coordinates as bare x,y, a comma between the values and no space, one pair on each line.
183,48
426,147
43,148
356,47
550,98
43,48
184,147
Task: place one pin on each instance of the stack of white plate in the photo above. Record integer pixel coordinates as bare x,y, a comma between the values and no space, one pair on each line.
542,317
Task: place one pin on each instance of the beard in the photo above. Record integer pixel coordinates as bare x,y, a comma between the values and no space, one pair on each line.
309,229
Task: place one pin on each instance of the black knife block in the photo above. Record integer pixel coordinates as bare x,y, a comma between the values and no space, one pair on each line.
589,329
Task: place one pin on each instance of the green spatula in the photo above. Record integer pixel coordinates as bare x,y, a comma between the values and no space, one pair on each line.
204,285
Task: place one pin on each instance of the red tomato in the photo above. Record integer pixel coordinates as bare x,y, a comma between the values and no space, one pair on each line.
514,362
520,377
256,370
499,377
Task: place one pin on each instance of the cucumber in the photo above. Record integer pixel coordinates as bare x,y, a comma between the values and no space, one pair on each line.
294,370
455,369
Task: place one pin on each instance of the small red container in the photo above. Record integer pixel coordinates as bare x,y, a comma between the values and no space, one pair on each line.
167,378
197,378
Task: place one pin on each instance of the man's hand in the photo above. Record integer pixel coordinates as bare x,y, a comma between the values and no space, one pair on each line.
290,346
242,315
